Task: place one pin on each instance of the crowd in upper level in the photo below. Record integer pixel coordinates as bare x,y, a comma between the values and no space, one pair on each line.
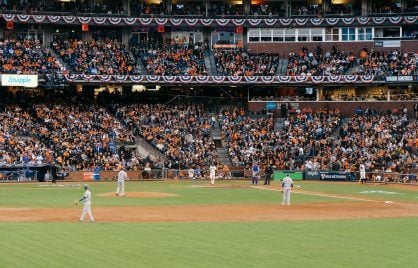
23,56
339,62
239,63
175,56
394,63
319,63
141,8
109,57
181,56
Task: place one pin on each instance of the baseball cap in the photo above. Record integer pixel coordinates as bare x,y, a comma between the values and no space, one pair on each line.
85,186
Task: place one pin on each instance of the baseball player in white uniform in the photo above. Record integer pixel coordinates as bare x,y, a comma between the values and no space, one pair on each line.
287,186
362,173
87,204
212,174
122,176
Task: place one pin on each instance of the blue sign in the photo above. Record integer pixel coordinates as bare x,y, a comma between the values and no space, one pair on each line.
271,105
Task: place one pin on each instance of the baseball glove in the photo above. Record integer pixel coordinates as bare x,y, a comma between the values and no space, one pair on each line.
75,202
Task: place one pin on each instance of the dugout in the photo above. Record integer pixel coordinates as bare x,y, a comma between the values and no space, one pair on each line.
20,172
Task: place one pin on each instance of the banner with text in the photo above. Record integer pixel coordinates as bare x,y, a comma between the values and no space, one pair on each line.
333,175
19,80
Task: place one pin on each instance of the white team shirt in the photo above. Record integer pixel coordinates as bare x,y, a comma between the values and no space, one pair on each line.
212,170
122,176
287,182
362,171
87,196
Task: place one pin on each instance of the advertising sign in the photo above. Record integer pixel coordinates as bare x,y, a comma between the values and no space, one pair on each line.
333,176
312,175
19,80
294,175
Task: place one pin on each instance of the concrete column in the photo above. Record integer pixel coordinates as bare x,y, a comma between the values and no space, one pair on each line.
364,7
247,6
325,5
286,8
86,36
126,4
244,39
48,34
126,34
169,5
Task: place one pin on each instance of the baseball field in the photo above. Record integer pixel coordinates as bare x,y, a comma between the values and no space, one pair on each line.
192,224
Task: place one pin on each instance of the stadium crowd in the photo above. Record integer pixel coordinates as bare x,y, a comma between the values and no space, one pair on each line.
394,63
239,63
19,140
304,135
382,142
25,56
176,56
334,62
185,8
181,132
103,57
38,7
181,56
84,137
71,135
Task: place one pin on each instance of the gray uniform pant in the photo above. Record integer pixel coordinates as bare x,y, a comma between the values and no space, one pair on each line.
286,196
87,210
121,188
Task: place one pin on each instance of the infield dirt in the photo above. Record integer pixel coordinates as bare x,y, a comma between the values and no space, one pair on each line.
349,207
217,213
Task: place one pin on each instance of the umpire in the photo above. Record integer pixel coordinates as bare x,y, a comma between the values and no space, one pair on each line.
268,172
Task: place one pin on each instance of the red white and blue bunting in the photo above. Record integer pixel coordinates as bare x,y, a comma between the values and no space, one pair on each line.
191,22
84,20
410,19
207,22
129,21
122,79
363,20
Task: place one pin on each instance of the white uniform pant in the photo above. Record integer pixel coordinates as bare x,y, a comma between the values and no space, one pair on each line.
286,196
121,188
87,210
212,178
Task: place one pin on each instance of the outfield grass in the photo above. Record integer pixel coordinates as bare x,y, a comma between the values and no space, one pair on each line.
359,243
44,195
342,243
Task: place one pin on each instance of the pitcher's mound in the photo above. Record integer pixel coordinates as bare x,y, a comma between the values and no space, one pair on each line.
138,194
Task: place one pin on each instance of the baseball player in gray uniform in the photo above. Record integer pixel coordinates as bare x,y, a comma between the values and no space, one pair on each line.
87,203
287,187
122,176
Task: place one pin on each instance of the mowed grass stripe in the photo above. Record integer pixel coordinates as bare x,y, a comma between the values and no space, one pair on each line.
354,243
186,195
